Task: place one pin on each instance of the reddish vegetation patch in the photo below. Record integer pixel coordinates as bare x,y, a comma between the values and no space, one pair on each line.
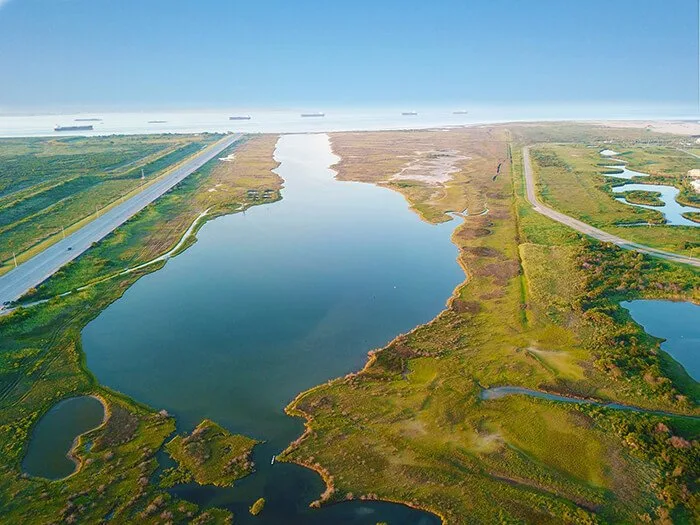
483,251
501,272
466,307
473,233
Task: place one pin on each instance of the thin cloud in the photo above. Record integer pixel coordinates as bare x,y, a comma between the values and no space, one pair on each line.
3,2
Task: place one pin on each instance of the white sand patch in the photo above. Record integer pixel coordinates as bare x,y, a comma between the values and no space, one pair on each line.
677,127
695,175
608,153
432,167
228,158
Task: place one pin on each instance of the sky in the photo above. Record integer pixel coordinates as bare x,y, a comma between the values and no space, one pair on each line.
137,54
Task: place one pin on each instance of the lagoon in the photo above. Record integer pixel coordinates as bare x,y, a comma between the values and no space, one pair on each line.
269,303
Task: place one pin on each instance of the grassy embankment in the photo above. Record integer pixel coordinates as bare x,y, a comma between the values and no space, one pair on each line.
570,178
49,187
42,362
540,309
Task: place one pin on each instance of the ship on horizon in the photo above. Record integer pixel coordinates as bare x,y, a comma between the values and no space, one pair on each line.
92,119
316,114
240,117
409,113
460,112
74,128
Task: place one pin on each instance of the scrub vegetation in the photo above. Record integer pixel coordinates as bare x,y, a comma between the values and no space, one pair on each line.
42,362
50,186
209,455
575,179
539,309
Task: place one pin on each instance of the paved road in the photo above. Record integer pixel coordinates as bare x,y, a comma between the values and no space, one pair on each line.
587,228
29,274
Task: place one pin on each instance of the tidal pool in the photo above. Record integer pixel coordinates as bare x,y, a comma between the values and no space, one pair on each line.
269,303
53,437
672,210
676,322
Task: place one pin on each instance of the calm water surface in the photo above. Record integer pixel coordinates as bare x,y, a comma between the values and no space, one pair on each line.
626,173
268,304
54,434
672,210
678,323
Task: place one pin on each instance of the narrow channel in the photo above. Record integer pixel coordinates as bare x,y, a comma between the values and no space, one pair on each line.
269,303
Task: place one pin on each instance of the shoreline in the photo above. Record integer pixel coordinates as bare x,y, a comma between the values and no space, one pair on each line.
293,410
72,453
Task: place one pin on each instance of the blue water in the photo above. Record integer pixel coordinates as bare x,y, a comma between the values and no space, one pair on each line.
268,304
672,210
626,173
676,322
54,434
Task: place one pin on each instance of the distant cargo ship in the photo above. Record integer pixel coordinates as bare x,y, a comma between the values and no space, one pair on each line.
460,112
240,117
409,113
73,128
88,120
157,121
317,114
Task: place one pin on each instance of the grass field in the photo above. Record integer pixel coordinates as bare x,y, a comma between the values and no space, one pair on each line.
540,309
42,362
48,185
570,178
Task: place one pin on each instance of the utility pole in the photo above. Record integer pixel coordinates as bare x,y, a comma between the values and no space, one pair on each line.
15,258
63,231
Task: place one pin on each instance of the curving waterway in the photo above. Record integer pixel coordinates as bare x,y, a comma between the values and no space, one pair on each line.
672,210
269,303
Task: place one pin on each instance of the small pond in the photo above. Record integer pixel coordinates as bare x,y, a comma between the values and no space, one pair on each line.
48,455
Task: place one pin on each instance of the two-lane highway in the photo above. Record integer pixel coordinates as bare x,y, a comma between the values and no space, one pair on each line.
589,230
31,273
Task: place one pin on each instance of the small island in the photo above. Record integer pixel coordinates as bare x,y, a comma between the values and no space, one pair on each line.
692,216
257,507
647,198
210,455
